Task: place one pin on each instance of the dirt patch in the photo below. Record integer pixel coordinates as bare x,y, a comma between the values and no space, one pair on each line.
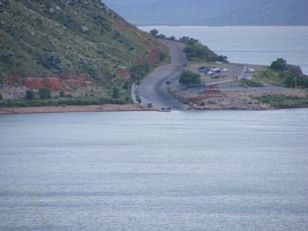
154,55
54,84
74,81
230,102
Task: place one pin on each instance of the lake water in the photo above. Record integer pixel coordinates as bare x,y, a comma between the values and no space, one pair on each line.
139,171
254,45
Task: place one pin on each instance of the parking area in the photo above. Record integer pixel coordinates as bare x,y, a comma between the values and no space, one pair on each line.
220,73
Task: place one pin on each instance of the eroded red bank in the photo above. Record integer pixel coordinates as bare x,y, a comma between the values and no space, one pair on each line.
51,82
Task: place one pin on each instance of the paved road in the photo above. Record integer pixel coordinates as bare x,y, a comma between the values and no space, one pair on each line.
153,89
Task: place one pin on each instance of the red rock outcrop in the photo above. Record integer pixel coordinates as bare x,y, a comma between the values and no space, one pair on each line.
53,83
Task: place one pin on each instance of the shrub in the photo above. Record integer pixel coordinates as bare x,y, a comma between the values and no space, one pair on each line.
44,93
189,78
294,81
30,94
162,57
281,101
222,58
161,36
154,32
115,93
250,83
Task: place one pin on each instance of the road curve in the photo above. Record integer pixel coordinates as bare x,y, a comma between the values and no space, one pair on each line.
153,89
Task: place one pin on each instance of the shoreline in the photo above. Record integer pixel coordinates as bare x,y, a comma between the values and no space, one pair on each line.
72,109
116,108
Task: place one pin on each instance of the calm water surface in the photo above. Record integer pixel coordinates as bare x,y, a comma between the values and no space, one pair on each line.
176,171
254,45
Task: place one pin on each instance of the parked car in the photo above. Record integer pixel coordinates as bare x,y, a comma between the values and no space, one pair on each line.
203,69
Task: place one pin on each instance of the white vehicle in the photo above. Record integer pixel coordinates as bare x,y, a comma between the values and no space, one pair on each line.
251,70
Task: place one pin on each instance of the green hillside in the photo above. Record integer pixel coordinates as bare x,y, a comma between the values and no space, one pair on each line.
69,45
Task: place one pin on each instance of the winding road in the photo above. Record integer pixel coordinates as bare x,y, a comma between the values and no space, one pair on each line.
154,88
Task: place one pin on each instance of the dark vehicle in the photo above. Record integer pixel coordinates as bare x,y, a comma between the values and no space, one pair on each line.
203,69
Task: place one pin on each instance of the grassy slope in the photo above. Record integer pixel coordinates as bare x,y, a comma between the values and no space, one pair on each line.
51,38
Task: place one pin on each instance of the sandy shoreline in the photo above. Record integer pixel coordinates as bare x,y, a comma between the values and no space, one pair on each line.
64,109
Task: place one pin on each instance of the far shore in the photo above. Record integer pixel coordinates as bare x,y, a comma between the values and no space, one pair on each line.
66,109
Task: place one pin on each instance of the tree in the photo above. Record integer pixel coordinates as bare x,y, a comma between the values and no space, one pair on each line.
161,36
61,94
1,97
279,65
30,94
188,40
162,56
222,58
172,38
44,93
115,93
154,32
189,77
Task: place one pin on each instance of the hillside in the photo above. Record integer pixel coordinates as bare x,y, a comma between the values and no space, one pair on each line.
209,12
78,48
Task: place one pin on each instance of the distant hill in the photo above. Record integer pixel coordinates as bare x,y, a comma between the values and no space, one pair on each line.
212,12
67,45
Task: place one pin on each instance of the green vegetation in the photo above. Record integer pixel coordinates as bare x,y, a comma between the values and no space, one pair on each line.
295,81
44,93
30,95
61,102
82,38
50,61
62,94
282,74
280,101
154,32
100,94
1,97
54,38
115,93
279,65
196,51
139,71
269,76
190,78
250,83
